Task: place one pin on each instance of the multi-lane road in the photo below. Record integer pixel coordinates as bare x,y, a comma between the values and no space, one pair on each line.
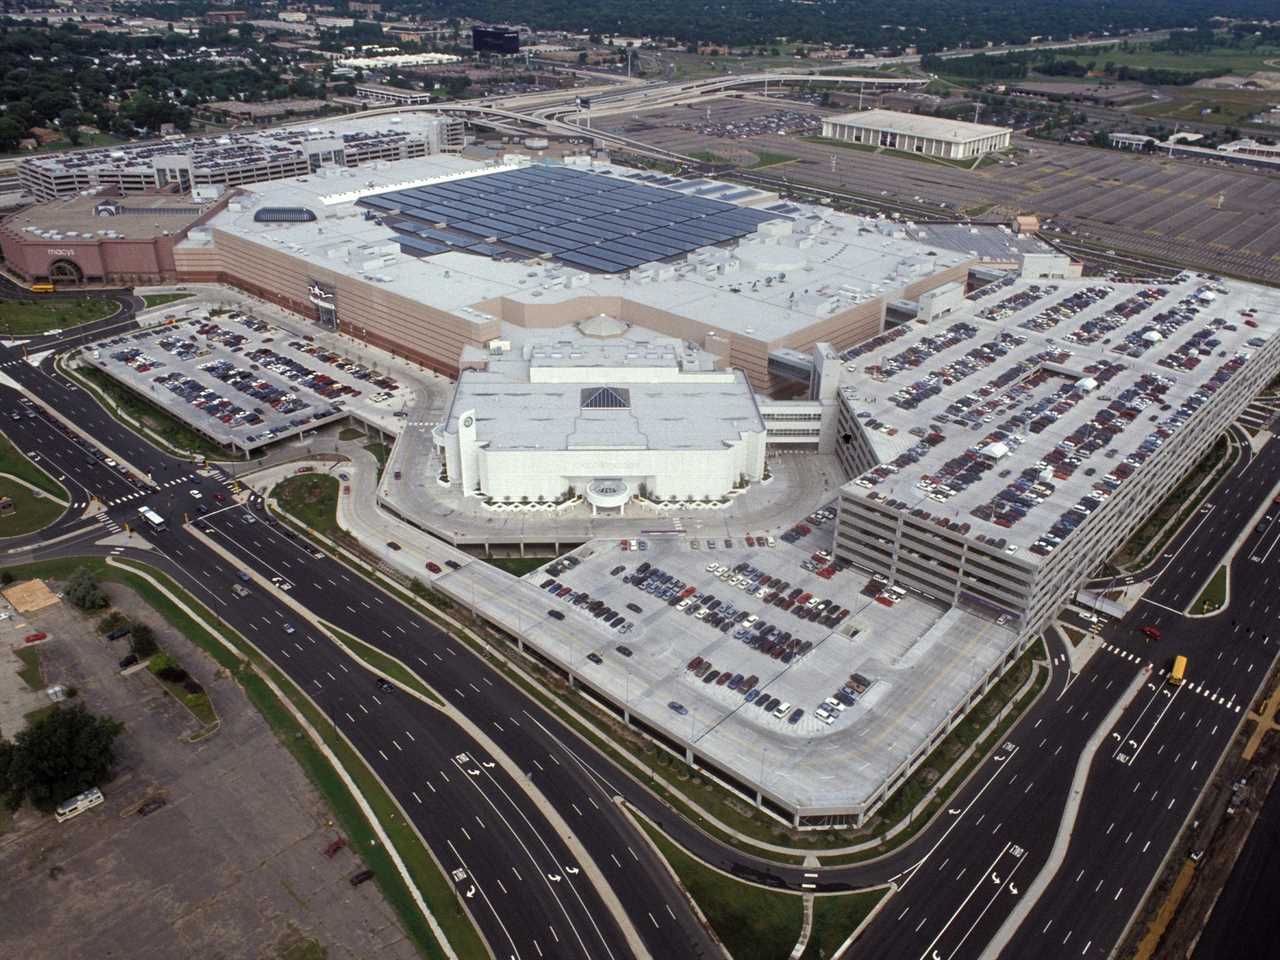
528,886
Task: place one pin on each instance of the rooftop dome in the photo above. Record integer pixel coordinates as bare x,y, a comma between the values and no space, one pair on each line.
603,325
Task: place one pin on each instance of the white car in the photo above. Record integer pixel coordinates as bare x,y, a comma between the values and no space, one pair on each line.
197,495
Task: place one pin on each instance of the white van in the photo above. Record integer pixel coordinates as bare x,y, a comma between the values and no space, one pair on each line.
783,709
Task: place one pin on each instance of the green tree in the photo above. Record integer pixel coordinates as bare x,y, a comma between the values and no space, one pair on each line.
83,591
64,753
142,641
69,121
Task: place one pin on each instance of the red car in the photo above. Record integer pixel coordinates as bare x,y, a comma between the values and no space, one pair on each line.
1151,633
221,498
751,541
433,566
34,637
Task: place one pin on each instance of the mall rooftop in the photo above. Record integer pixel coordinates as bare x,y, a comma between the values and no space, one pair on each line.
1036,399
626,394
763,271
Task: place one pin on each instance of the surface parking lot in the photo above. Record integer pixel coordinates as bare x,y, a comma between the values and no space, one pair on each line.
896,666
241,381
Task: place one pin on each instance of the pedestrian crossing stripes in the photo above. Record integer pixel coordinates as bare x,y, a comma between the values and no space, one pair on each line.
125,499
1199,689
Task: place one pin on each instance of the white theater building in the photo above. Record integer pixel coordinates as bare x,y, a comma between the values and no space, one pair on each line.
602,419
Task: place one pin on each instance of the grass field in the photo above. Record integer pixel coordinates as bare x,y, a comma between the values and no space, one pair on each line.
31,511
312,499
1222,59
27,318
517,566
752,923
1225,106
160,299
30,672
766,159
14,463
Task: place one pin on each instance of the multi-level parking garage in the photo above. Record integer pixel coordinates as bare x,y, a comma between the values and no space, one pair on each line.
1001,455
184,164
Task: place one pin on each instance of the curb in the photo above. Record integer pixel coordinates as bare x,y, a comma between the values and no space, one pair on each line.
1066,825
554,819
1246,531
337,765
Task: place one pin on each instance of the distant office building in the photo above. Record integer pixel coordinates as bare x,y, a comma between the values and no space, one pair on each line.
225,16
489,40
912,133
381,93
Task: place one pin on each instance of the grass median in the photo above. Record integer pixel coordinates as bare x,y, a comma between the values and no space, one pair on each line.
312,499
835,917
1214,595
16,464
160,299
251,671
752,922
28,511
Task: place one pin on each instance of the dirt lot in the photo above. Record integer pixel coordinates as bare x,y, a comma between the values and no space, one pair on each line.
230,868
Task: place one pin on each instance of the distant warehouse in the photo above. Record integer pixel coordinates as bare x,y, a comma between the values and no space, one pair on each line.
912,133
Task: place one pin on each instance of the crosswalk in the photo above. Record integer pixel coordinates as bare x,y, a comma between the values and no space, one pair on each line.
107,521
1196,688
136,494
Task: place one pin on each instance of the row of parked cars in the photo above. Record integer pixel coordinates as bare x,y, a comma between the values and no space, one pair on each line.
845,697
752,694
581,599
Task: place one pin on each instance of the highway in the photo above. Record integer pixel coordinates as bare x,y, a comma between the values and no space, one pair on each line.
531,896
959,881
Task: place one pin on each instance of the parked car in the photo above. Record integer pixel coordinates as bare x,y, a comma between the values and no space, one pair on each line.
151,806
555,614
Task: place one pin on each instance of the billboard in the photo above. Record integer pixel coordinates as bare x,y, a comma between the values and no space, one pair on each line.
488,40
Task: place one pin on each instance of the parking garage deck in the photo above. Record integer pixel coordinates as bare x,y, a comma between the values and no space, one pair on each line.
1037,401
923,660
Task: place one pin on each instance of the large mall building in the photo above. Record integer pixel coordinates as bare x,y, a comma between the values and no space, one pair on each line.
430,258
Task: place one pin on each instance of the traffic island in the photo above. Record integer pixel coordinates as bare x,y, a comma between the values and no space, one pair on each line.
1214,596
753,922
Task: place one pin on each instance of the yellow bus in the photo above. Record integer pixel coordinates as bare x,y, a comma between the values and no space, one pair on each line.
42,288
1179,669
